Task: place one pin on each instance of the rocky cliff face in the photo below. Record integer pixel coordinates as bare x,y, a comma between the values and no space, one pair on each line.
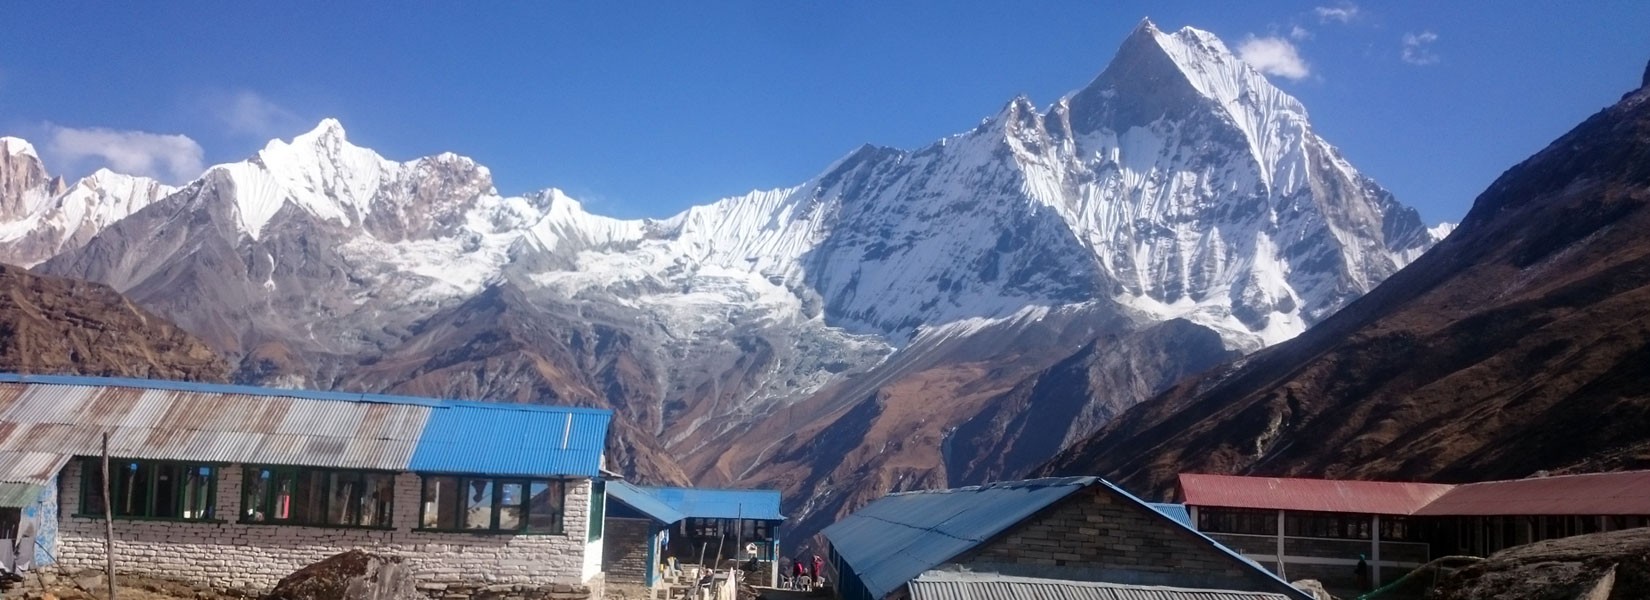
1517,345
902,319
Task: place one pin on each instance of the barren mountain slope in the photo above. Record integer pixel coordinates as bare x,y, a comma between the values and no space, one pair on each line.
58,326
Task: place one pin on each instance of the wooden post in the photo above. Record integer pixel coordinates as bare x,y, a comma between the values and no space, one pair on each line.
108,521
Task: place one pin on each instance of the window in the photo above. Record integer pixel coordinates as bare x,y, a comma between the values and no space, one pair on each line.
1238,520
598,509
486,504
1328,525
323,497
150,489
704,528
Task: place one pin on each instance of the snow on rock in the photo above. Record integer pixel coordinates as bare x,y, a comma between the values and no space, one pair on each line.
17,146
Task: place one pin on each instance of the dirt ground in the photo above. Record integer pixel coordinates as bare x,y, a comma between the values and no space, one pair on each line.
90,586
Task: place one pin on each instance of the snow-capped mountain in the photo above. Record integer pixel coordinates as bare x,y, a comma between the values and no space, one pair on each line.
40,216
1178,200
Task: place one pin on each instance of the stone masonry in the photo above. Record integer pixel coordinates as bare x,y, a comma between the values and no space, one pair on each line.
624,547
227,554
1094,535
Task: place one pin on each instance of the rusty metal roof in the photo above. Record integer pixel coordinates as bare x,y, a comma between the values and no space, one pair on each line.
1621,493
954,585
1319,495
44,420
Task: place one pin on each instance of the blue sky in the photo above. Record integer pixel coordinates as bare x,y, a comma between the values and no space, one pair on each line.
643,108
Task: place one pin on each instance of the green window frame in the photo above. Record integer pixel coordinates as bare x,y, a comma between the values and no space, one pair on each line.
150,489
508,505
598,510
317,497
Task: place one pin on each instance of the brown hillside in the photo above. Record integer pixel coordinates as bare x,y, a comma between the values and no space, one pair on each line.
50,325
1520,343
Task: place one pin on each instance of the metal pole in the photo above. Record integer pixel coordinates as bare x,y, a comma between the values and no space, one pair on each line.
108,521
1375,550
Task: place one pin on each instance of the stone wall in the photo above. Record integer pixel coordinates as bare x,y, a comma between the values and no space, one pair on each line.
1095,535
624,554
231,555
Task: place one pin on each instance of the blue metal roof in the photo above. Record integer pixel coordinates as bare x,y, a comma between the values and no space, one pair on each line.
638,498
456,436
708,503
896,538
512,439
1173,511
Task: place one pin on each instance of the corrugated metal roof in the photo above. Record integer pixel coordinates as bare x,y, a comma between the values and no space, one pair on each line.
638,498
710,503
1321,495
169,424
44,420
18,495
1622,493
897,537
30,468
469,437
952,585
900,536
1173,511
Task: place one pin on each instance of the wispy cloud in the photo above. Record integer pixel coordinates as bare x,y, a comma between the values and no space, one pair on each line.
1273,56
244,112
173,158
1344,12
1417,48
1298,33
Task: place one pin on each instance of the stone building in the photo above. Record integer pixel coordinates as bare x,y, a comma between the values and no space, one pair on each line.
1074,529
1321,528
235,486
649,525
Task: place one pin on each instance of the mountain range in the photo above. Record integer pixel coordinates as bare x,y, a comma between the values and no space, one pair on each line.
1519,346
907,318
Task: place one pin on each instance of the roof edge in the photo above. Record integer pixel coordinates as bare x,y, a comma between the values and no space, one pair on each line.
302,394
1233,554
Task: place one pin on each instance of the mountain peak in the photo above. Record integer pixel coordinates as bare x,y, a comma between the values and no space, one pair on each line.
14,146
328,128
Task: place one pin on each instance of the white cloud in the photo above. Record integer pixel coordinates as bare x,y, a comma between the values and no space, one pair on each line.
246,113
1298,33
1345,12
1273,56
1417,48
174,158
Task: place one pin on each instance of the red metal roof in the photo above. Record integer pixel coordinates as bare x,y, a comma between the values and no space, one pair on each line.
1621,493
1321,495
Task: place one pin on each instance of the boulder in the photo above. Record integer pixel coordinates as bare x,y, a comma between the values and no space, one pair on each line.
353,575
1315,588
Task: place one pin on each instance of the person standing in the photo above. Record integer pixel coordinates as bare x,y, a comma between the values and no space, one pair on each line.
1362,571
819,571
